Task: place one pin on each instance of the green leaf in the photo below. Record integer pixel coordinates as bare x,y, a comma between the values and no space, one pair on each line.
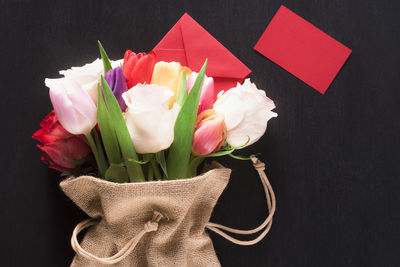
226,146
182,92
156,169
100,150
141,162
194,164
196,160
160,158
150,174
124,139
117,173
107,131
180,150
220,153
104,57
239,157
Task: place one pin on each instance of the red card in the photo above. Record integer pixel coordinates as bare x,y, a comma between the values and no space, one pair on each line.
302,49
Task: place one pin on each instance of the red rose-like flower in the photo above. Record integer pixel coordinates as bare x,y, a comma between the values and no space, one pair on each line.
138,68
59,147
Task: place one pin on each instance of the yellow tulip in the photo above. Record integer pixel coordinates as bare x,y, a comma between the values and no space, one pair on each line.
169,74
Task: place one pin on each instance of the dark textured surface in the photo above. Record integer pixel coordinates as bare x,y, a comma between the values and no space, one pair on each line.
333,160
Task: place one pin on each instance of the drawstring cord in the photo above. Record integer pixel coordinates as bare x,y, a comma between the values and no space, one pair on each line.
265,226
150,226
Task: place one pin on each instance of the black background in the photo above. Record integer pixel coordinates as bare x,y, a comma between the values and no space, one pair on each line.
332,159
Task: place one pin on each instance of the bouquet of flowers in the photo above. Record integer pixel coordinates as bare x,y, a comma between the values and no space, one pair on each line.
121,129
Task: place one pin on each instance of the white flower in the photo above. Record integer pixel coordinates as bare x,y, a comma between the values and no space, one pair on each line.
247,111
149,120
88,75
74,108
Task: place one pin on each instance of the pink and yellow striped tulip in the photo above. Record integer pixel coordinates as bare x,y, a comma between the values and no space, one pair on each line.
209,134
207,91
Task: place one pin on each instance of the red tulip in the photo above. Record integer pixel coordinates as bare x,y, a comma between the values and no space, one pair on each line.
60,149
209,134
138,68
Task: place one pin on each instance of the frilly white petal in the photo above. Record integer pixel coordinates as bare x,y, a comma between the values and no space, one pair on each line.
247,111
89,75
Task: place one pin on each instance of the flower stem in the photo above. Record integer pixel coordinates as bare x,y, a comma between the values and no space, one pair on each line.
100,151
99,157
150,175
156,170
195,161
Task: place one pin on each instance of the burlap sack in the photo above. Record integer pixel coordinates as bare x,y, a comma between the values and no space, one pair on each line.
155,223
124,209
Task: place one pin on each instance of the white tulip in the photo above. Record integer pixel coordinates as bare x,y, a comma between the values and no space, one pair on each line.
88,75
73,106
247,111
149,120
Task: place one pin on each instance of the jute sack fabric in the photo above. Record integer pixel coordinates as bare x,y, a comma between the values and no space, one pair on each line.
158,223
173,215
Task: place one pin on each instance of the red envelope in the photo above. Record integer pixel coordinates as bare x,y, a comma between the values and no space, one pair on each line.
302,49
190,44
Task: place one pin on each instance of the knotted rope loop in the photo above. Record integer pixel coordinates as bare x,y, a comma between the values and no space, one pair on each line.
258,165
150,226
265,226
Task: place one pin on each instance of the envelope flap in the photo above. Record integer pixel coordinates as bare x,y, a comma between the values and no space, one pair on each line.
199,45
171,47
170,54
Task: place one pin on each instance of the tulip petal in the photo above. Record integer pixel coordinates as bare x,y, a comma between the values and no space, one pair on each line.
88,75
130,60
143,70
138,68
72,105
247,111
210,133
232,109
207,91
167,74
148,117
83,104
118,85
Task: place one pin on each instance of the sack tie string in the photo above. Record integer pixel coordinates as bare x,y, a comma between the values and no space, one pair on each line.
150,226
265,226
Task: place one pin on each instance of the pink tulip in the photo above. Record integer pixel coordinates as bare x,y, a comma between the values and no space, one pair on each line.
207,91
73,106
209,134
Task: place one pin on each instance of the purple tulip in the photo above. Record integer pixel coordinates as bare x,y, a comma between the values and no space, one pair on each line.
117,82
